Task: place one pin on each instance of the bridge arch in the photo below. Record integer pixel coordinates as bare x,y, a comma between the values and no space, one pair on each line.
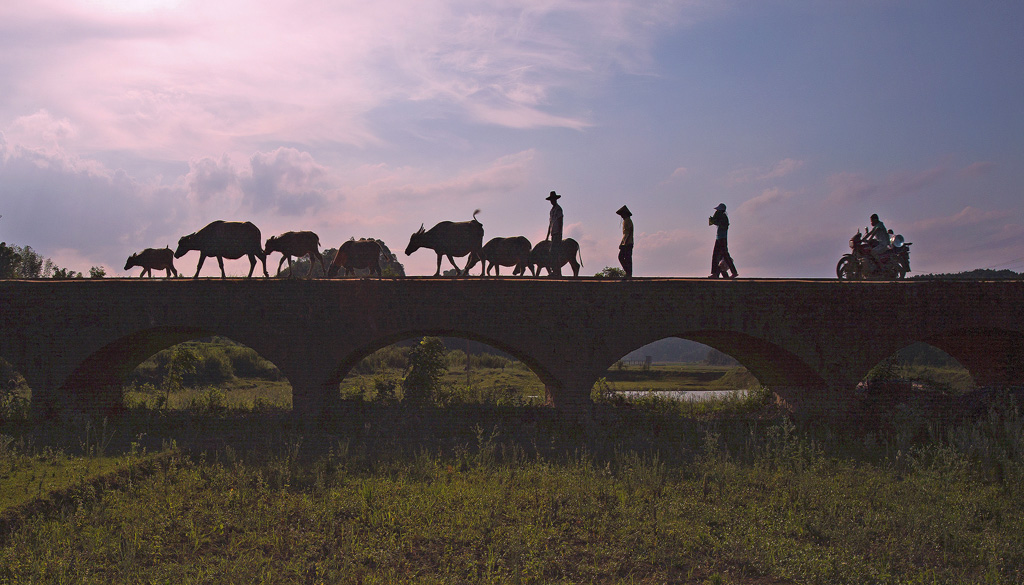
772,365
993,356
348,358
94,383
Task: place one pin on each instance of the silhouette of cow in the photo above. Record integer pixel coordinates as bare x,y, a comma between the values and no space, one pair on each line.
225,239
296,244
357,254
152,259
449,239
569,249
498,252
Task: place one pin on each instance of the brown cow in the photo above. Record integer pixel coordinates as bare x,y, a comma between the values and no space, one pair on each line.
152,259
296,244
570,248
498,252
225,239
361,254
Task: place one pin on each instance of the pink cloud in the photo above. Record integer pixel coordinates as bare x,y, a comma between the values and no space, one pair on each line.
968,216
771,196
846,186
754,174
676,175
978,169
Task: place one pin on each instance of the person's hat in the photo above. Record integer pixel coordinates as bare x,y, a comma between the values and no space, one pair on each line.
623,211
553,196
720,207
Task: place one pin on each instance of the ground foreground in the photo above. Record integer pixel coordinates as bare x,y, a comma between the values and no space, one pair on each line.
649,491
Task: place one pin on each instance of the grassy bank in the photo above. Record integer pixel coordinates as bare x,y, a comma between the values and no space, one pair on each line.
649,491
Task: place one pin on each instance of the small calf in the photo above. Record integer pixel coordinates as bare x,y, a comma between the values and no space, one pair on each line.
153,258
296,244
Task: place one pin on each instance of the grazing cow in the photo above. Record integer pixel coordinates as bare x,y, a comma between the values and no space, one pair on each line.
225,239
498,252
570,248
357,254
449,239
296,244
152,259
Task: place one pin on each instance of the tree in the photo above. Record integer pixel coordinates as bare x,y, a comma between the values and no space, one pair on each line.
31,263
97,272
611,272
10,261
428,362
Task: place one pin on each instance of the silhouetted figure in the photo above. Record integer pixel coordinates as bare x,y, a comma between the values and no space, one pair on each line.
720,258
878,237
555,234
626,245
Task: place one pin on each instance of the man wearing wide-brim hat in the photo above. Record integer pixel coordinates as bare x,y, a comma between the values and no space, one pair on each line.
626,245
555,235
720,258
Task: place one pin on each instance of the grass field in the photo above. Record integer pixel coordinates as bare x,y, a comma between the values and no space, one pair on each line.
217,484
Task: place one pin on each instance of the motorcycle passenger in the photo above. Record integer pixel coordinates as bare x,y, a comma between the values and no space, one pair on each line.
878,237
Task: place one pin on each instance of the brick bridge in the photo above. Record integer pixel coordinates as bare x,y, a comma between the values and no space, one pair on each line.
810,341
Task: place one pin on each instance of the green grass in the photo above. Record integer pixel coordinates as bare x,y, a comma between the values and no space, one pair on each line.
492,489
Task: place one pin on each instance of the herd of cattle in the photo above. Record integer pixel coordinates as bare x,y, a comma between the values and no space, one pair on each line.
232,240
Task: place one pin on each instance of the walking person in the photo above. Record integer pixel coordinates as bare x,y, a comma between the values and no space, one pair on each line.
555,235
626,245
720,258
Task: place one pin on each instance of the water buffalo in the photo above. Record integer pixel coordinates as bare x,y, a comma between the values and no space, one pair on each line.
296,244
152,259
570,248
449,239
357,254
225,239
498,252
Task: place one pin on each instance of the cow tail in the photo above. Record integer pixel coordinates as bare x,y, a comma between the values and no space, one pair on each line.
579,253
474,215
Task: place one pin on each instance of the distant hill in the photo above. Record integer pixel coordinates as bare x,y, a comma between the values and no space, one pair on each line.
978,274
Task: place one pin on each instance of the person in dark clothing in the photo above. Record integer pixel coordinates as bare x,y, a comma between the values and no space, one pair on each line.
555,235
720,258
626,245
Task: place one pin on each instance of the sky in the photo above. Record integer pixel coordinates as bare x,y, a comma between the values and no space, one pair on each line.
126,124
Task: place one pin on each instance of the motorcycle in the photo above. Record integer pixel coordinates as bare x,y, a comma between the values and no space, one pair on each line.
861,263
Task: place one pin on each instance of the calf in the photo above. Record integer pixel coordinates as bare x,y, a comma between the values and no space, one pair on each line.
152,259
296,244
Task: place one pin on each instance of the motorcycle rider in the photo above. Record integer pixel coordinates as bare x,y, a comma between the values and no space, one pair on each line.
878,237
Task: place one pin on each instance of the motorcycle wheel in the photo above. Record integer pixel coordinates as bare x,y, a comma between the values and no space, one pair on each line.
846,269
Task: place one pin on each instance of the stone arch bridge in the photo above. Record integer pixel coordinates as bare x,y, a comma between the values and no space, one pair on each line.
810,341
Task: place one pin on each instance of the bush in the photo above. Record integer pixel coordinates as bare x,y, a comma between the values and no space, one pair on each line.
246,363
427,364
213,368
